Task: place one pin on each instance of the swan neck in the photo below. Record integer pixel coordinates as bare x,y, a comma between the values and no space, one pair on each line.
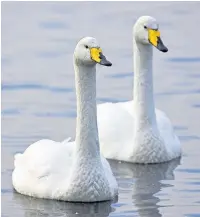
143,85
87,141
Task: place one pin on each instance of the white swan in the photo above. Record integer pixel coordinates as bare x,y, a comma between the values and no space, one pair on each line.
135,131
71,171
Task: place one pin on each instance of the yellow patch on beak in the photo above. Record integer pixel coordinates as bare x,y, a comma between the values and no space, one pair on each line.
95,54
153,36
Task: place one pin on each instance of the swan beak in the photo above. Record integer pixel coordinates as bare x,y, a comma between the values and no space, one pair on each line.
98,57
155,40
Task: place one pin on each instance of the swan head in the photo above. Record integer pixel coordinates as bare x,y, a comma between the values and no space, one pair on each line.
146,31
88,52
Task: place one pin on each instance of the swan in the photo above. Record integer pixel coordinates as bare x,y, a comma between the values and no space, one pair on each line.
71,171
135,131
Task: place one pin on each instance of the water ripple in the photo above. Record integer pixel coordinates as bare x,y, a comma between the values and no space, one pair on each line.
121,75
180,128
184,59
68,114
10,112
188,138
5,60
14,87
196,105
5,191
185,170
54,25
192,215
50,54
105,99
180,92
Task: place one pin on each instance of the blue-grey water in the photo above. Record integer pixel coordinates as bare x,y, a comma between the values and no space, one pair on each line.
38,97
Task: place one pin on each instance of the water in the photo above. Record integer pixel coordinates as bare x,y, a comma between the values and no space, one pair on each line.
38,98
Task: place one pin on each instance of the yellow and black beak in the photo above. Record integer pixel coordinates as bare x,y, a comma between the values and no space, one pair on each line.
97,56
155,40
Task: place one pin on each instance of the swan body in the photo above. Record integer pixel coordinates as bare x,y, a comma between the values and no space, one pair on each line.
136,131
71,171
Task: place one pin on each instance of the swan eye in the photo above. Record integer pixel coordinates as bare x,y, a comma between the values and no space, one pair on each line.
86,47
145,27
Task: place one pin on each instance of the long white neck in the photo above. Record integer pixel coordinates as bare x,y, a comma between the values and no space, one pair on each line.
87,141
143,86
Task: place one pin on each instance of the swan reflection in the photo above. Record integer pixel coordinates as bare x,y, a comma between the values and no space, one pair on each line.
34,207
146,182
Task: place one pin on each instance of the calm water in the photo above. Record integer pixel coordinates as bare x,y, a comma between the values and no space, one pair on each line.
38,97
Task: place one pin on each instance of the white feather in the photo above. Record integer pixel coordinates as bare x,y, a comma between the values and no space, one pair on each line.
135,131
70,171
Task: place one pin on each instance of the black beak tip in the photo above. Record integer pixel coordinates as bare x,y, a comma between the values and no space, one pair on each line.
104,61
108,64
161,46
164,50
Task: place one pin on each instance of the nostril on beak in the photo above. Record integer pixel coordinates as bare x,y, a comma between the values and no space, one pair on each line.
100,56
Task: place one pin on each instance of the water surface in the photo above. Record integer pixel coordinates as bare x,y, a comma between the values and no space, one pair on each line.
38,97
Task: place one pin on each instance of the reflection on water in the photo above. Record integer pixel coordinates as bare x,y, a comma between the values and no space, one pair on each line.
38,97
146,183
40,207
